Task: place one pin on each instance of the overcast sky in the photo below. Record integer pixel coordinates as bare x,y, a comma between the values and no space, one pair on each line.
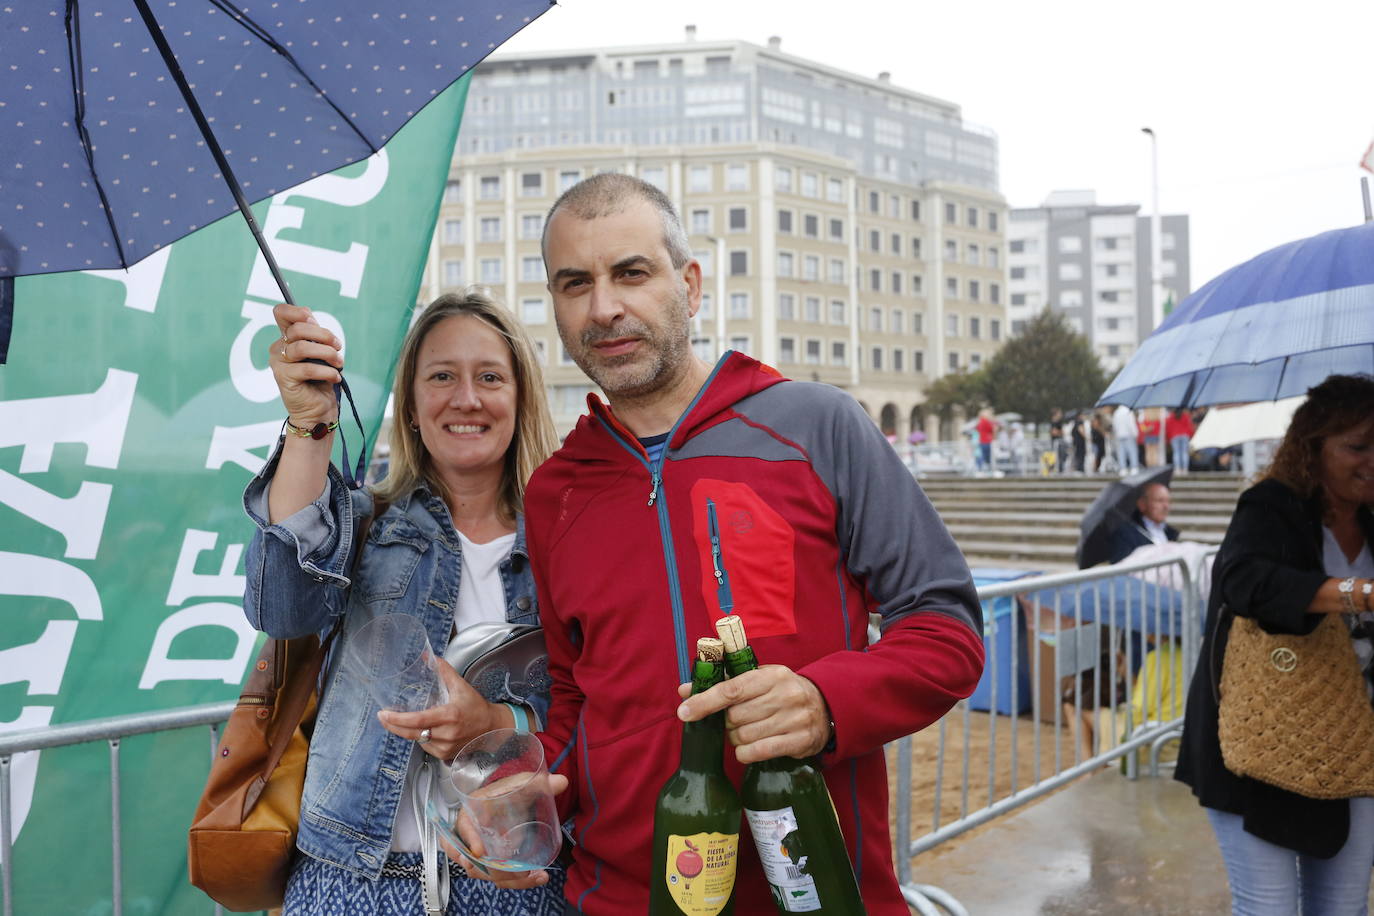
1262,109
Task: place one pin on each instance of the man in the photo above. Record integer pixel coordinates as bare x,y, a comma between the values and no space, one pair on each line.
697,489
1147,525
1124,431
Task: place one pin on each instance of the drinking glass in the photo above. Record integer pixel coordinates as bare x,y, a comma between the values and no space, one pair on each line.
503,785
391,655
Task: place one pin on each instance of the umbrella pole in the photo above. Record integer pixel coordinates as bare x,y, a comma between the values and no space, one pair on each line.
226,172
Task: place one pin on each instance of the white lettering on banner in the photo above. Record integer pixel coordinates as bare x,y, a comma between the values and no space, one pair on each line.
187,583
343,267
343,191
256,384
24,767
97,420
33,576
235,443
80,518
142,282
218,614
33,663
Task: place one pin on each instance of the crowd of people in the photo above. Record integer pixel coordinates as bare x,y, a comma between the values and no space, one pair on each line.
1123,440
620,542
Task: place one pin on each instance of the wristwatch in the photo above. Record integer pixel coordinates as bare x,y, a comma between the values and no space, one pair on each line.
1346,588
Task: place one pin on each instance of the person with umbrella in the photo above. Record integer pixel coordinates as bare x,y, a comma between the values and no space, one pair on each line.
1298,548
1147,524
447,546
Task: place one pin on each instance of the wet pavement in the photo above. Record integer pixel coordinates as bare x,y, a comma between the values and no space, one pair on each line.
1106,845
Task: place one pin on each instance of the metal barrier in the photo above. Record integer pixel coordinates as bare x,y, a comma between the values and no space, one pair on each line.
1053,633
112,730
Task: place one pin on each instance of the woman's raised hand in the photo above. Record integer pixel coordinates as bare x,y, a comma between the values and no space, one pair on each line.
307,401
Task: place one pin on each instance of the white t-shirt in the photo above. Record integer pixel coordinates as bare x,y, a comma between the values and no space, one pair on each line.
1335,563
481,599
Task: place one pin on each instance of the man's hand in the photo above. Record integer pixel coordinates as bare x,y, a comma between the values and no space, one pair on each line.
770,712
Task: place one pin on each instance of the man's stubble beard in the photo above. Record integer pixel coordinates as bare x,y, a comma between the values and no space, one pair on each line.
669,346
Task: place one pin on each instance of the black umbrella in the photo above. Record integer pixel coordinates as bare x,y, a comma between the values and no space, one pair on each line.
1110,510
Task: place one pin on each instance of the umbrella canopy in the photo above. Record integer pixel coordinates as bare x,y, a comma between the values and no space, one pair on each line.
1111,509
102,162
1267,329
1227,426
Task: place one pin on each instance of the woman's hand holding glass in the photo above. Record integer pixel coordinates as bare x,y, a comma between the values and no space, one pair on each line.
451,724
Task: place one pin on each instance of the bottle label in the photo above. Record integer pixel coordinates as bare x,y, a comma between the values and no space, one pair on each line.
701,871
787,869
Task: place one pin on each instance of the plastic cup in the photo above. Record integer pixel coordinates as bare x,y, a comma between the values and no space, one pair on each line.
391,655
503,785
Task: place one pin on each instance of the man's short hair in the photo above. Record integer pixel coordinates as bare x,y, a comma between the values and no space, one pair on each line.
611,192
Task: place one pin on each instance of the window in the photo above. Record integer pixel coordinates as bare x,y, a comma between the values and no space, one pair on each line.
1107,295
875,202
531,225
812,309
813,352
810,186
811,267
1071,298
875,240
973,290
701,222
490,187
975,360
896,322
834,190
787,349
1167,241
453,192
953,362
739,305
992,220
918,361
811,225
739,263
916,247
785,265
975,327
655,175
875,319
1018,273
736,178
994,329
1108,324
1113,349
782,181
951,325
951,213
896,281
1016,246
567,178
1070,244
699,179
531,269
541,351
739,219
971,254
995,293
741,344
453,232
1018,328
533,311
704,348
896,243
453,273
787,307
1070,271
784,220
490,230
875,280
952,287
917,323
916,210
894,206
1109,270
837,311
489,270
531,184
837,230
837,272
705,313
915,284
1018,298
951,250
994,258
839,353
897,357
877,361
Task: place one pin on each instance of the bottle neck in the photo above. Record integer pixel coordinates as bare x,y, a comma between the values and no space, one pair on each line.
703,741
736,663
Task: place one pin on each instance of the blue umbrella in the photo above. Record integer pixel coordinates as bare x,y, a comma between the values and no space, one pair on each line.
1267,329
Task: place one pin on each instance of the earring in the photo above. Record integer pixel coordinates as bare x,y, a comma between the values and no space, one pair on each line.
414,427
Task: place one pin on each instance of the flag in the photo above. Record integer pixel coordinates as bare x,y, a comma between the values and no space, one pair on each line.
135,407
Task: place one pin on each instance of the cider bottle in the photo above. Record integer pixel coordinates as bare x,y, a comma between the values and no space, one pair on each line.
697,817
792,818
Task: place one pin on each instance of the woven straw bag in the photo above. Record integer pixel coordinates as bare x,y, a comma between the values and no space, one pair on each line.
1294,710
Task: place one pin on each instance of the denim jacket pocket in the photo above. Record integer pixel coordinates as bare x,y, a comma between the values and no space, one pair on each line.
393,550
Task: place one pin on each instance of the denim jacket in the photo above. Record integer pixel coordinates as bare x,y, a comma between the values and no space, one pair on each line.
297,572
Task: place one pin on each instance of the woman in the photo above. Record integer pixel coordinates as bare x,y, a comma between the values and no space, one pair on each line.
1295,537
1179,429
470,425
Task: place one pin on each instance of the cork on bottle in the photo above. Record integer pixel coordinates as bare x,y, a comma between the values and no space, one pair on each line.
731,630
710,649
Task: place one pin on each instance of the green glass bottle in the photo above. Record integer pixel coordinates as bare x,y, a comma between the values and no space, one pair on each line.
697,817
792,818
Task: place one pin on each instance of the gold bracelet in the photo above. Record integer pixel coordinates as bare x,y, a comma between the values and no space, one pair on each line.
318,431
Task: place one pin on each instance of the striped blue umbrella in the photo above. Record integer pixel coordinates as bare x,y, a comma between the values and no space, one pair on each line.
1267,329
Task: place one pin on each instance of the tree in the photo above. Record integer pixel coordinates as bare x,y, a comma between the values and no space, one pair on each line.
1049,365
965,390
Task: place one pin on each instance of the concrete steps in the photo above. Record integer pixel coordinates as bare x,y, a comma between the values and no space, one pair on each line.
1034,522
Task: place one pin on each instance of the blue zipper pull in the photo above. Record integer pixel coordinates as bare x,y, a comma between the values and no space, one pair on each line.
653,493
723,595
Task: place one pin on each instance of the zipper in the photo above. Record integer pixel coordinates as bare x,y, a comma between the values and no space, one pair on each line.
656,478
723,595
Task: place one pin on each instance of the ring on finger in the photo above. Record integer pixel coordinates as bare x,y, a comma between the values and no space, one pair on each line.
425,736
284,342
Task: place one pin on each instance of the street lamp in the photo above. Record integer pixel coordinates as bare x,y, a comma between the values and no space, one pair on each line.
1156,269
719,265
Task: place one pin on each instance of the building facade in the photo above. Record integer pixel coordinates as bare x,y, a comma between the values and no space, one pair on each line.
849,231
1092,263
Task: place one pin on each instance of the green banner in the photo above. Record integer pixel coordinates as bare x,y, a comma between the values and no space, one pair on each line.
135,407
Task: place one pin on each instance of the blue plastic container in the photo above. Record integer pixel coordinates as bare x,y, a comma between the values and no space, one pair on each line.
1002,617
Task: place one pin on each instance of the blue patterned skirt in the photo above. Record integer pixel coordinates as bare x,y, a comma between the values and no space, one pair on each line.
317,887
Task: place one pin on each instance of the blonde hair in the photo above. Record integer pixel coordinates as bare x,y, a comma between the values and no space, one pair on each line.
534,439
